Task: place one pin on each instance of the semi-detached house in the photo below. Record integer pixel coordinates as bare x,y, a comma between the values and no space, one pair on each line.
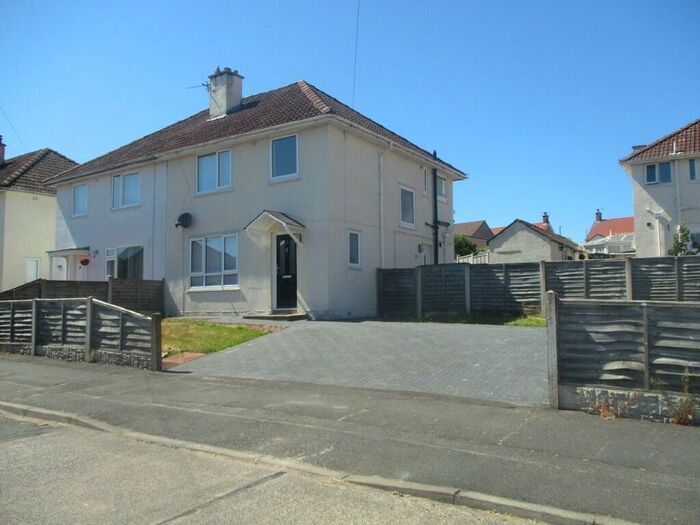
287,200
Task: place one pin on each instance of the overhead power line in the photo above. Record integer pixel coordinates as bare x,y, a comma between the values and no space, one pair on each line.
26,149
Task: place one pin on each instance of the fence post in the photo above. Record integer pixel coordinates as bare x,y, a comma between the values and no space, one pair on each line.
42,285
109,289
89,357
647,353
468,288
504,291
585,279
629,283
679,284
12,320
419,291
380,292
156,350
35,325
553,348
543,288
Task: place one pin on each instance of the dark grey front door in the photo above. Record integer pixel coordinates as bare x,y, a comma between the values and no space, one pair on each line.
286,272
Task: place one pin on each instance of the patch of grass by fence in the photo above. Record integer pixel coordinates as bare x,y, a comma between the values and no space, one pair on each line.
187,335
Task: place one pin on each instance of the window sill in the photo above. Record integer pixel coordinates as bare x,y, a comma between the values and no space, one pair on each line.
407,226
213,192
79,216
285,178
130,207
227,288
354,267
442,199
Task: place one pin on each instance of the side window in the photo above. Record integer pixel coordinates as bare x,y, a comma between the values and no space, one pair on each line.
284,158
651,174
408,201
691,169
79,200
354,249
665,172
442,188
126,190
425,182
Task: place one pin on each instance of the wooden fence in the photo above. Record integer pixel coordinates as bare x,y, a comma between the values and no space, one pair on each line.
134,294
650,346
81,330
456,289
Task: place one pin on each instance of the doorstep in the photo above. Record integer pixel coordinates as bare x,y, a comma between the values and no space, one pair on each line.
278,315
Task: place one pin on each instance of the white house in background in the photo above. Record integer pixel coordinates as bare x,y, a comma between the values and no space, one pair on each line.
27,214
611,236
287,200
666,185
522,241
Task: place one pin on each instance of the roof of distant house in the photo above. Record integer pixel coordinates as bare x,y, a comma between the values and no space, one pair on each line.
542,231
607,227
544,226
29,171
293,103
470,229
683,140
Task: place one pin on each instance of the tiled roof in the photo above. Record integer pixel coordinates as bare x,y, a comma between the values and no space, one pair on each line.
544,232
684,140
470,229
544,226
28,172
608,227
295,102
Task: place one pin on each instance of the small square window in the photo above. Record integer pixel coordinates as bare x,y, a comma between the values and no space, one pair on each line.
284,157
79,200
354,248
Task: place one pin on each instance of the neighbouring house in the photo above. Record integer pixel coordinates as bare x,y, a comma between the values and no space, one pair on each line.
287,200
666,188
544,225
611,236
477,232
27,214
522,241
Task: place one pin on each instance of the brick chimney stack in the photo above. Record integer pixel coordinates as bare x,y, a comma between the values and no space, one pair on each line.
545,218
598,216
2,151
225,91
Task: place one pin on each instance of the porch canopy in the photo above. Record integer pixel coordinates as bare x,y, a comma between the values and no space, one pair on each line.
68,252
270,221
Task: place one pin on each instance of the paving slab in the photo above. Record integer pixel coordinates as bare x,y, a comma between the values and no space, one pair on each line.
498,363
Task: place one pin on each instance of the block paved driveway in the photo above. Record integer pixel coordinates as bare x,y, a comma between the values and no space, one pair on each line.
497,363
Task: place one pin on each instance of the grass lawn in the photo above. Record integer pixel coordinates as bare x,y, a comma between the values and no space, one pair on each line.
497,319
187,335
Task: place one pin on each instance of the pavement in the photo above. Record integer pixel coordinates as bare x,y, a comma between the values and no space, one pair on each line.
637,471
61,474
497,363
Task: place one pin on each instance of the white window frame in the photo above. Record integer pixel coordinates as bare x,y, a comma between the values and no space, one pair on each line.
694,163
203,273
122,206
657,173
115,257
72,200
401,221
358,264
442,197
38,268
291,176
218,187
426,184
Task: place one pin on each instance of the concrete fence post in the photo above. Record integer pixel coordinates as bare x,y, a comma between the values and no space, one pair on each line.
380,292
35,325
468,288
110,279
543,288
679,280
12,321
553,348
647,349
629,282
156,349
585,279
89,357
418,283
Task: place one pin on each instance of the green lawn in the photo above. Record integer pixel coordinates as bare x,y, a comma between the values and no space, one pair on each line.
496,319
186,335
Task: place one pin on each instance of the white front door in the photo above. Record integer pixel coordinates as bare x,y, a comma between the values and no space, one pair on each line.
59,268
31,269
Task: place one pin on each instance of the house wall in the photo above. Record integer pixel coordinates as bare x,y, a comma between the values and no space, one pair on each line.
102,228
518,243
678,203
29,228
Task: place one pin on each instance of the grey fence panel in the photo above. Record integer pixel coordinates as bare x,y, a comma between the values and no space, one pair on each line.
690,278
566,278
654,279
62,289
61,322
606,279
601,345
22,322
397,293
138,294
674,342
522,287
443,289
487,284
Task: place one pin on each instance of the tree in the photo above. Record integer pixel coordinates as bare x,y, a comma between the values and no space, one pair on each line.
464,246
681,242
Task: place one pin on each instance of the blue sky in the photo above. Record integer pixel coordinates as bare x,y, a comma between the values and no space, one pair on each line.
536,100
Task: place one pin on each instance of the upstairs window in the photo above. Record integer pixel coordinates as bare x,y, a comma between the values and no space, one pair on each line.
284,158
408,201
658,173
354,249
442,188
691,169
425,182
79,205
214,172
126,191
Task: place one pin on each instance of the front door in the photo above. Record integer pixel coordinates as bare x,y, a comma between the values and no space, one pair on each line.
286,272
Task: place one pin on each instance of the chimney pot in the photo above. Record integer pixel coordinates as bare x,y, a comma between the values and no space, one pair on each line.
225,91
545,218
638,147
598,215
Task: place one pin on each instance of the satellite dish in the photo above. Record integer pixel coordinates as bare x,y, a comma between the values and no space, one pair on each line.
184,220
